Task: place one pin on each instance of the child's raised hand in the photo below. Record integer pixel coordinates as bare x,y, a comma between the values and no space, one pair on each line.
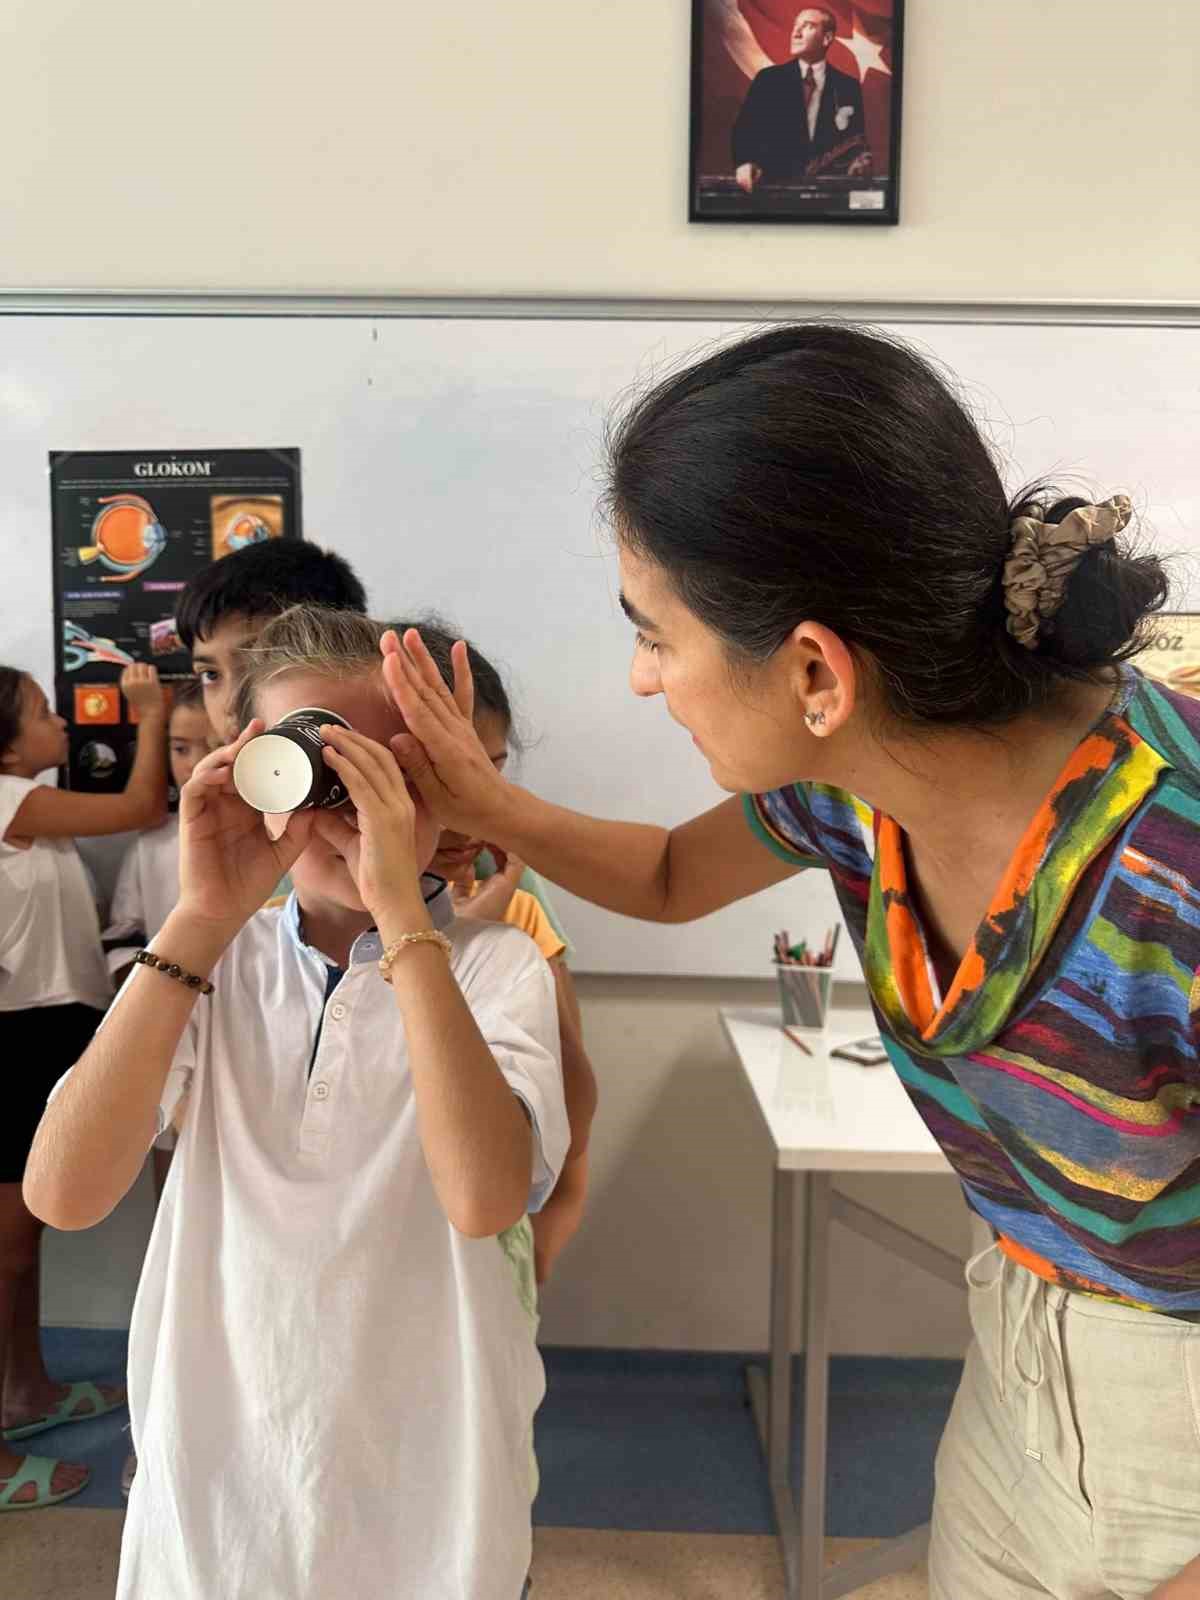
140,686
228,862
380,845
441,753
490,902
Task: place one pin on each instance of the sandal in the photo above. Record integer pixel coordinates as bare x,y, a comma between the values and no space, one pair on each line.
65,1412
38,1470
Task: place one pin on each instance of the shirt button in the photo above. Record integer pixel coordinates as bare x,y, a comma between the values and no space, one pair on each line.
337,1011
320,1091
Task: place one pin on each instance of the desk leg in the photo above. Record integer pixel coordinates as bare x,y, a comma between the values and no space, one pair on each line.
802,1528
816,1385
783,1329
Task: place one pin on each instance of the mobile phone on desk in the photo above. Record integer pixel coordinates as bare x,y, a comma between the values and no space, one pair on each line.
866,1052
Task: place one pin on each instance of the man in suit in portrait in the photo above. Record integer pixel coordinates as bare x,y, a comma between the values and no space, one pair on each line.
803,119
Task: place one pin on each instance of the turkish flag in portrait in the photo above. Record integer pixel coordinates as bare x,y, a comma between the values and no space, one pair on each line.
741,37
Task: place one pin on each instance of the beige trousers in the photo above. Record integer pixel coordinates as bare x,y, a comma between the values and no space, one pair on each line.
1070,1465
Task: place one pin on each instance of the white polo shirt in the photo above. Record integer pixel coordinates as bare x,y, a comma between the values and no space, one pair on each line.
50,951
332,1390
146,893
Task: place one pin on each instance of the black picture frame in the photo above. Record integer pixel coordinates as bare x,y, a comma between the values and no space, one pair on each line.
793,186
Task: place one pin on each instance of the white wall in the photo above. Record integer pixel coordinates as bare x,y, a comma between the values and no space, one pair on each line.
1050,151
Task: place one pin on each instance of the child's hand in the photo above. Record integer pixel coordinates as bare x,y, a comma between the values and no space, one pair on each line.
228,863
381,850
140,686
557,1223
493,898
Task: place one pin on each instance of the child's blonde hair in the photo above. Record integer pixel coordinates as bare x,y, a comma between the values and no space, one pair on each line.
316,639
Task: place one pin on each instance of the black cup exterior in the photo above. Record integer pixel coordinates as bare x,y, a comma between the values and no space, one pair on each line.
302,727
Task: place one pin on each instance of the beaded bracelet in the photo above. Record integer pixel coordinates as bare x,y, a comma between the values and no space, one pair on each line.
147,958
426,936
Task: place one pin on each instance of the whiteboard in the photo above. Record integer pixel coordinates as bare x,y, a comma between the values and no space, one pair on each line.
454,461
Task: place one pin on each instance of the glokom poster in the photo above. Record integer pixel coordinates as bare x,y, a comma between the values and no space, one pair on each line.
130,528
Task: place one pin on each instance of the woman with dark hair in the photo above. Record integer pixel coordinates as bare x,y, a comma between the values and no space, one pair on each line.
923,688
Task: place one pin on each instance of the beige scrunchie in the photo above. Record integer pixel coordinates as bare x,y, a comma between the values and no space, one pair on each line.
1043,557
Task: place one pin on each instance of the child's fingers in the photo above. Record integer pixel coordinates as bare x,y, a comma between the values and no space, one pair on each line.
372,758
227,753
214,771
361,777
335,829
297,830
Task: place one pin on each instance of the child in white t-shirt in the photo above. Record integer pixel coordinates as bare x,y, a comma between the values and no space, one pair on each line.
332,1369
54,985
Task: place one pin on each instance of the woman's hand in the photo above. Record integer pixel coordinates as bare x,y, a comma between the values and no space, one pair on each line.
140,686
441,753
380,845
228,862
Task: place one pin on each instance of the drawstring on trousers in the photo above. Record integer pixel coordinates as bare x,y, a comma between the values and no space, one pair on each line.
1031,1381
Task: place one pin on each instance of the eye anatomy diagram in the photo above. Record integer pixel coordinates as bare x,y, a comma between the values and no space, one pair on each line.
80,649
126,537
240,520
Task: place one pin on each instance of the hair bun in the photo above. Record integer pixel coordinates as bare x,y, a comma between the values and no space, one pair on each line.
1095,594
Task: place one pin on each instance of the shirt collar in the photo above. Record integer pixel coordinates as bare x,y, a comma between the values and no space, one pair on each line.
818,68
368,946
1105,780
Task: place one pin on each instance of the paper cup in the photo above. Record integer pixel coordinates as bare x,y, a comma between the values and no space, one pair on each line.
804,994
284,769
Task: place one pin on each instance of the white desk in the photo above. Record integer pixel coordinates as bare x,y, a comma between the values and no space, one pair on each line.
823,1116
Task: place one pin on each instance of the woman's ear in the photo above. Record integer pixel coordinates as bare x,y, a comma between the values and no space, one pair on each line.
826,678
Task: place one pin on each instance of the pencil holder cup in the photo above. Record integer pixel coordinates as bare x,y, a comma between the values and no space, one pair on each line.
804,994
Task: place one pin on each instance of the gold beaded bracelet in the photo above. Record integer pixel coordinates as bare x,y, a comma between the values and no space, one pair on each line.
172,969
426,936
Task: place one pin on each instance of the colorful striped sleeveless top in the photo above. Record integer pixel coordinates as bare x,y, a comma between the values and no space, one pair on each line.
1060,1073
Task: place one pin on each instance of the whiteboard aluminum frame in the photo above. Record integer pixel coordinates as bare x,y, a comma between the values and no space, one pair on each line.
187,303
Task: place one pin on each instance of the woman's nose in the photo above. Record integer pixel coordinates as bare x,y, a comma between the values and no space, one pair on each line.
644,676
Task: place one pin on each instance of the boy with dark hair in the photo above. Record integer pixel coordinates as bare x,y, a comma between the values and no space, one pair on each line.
224,608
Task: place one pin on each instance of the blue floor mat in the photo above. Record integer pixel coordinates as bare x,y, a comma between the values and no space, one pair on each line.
665,1442
660,1441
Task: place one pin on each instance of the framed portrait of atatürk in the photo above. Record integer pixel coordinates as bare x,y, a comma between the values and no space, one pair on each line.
795,111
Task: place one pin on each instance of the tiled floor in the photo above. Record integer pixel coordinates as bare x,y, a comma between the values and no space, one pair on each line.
56,1556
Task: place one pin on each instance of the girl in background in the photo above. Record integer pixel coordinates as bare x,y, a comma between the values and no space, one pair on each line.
54,986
